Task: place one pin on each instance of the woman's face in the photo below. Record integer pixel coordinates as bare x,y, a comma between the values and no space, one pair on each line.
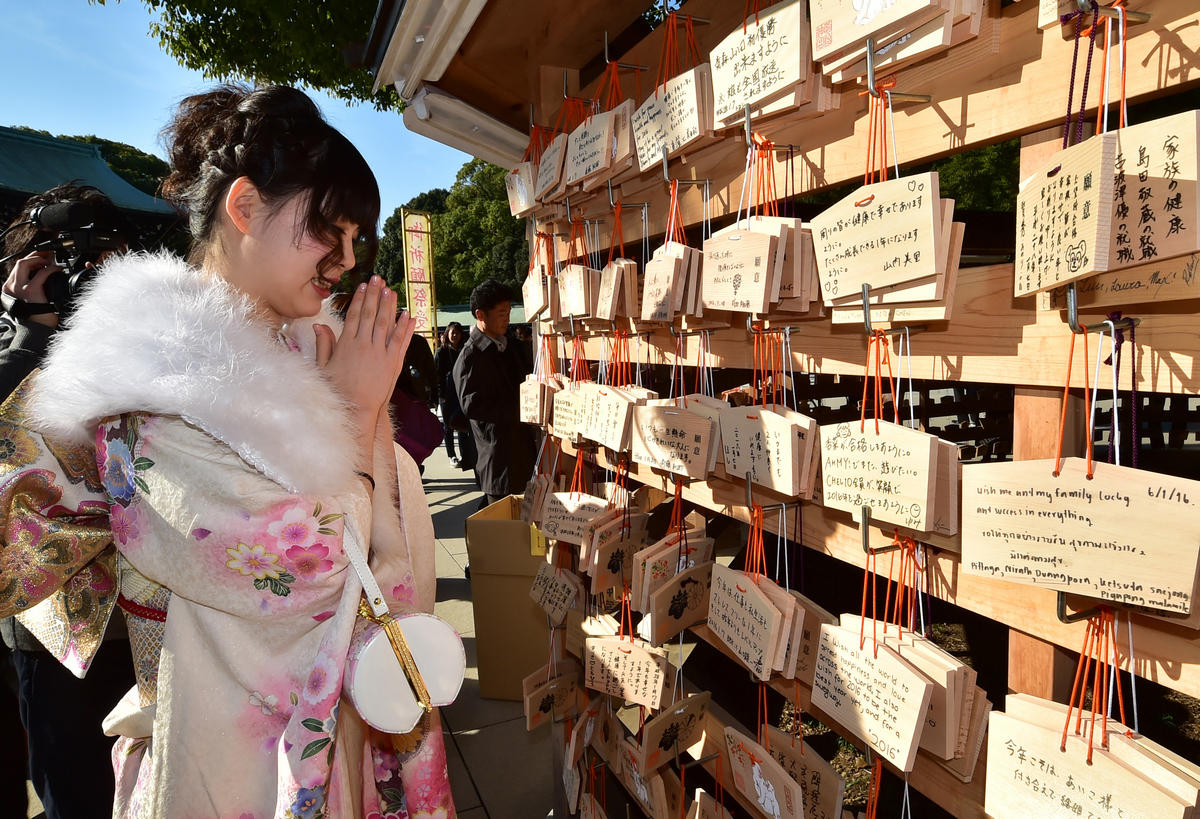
280,262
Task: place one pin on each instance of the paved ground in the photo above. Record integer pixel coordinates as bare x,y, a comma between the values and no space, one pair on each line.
497,768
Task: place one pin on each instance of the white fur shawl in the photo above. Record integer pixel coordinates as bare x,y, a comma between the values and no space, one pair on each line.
155,334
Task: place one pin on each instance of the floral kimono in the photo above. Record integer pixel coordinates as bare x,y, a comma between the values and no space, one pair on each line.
181,460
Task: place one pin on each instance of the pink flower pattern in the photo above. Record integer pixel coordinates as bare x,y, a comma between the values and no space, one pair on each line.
309,561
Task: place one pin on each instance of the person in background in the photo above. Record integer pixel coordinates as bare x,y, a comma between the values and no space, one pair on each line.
415,427
453,420
487,378
61,713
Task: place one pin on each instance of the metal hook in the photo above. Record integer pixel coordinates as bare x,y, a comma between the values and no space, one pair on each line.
700,761
874,92
1073,315
1073,617
894,331
569,219
749,141
1110,11
864,522
749,493
628,66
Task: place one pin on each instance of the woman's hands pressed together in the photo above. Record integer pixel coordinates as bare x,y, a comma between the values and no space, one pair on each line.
366,360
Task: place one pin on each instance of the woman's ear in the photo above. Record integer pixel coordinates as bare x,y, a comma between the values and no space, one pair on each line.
242,200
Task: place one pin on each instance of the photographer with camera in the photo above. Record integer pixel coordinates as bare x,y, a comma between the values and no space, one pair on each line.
49,252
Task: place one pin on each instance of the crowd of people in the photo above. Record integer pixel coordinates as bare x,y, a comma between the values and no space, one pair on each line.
195,452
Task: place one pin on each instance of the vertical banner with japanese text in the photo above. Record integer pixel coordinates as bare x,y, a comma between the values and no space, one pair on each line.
418,274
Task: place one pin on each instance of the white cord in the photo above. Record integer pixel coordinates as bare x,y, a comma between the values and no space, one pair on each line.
747,180
922,581
1112,670
1121,35
892,125
787,351
781,545
1095,386
1132,670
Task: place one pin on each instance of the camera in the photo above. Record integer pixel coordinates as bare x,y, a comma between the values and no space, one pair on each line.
74,251
78,240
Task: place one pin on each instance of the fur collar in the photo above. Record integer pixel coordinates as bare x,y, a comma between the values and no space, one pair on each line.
154,334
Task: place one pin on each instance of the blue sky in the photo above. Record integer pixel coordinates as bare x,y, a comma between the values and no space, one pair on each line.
70,67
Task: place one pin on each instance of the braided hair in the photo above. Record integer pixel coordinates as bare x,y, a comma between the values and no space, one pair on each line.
277,138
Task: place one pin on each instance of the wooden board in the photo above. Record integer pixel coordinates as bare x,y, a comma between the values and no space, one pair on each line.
1171,279
744,619
822,786
624,668
877,696
550,168
672,439
565,515
771,447
673,117
892,472
519,185
1090,537
840,24
681,602
1064,217
882,234
736,271
1029,776
673,730
761,779
761,59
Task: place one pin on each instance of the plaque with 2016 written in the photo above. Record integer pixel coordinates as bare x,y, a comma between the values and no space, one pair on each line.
875,694
1090,537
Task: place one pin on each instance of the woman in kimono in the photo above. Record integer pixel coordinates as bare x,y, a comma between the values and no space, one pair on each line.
194,451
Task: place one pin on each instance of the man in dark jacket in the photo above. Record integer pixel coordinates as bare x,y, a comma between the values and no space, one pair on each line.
487,377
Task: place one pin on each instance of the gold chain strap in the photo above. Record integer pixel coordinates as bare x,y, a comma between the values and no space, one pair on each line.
391,627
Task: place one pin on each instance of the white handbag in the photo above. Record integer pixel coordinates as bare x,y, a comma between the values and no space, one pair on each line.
398,668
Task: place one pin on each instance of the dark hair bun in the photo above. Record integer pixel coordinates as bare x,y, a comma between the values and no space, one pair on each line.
277,137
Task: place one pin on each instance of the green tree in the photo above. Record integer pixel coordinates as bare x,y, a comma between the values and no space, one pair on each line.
477,238
273,42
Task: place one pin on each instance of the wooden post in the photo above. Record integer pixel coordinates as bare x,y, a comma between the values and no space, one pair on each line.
1035,666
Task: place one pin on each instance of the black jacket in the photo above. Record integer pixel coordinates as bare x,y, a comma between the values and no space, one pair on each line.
488,381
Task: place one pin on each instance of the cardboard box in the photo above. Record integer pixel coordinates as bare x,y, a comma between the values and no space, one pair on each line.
511,635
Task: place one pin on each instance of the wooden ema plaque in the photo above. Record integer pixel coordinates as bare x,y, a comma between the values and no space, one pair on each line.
534,498
534,403
663,561
672,439
673,117
574,290
810,637
736,272
878,697
883,234
519,185
663,273
565,414
533,292
761,779
705,806
610,516
761,59
612,551
892,472
547,698
773,446
1088,537
609,422
624,668
550,168
822,787
565,515
939,735
675,729
838,25
555,590
583,731
612,299
650,792
1064,217
1027,775
1156,211
680,602
1176,279
589,148
744,619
